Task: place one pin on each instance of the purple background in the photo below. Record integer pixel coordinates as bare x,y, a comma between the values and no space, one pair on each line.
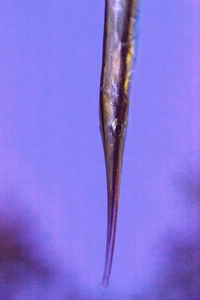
52,173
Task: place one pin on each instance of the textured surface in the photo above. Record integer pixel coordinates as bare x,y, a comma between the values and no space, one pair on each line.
118,50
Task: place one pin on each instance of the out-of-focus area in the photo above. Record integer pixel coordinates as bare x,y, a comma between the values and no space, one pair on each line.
52,171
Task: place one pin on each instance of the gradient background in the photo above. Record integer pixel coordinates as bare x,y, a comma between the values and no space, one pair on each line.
52,173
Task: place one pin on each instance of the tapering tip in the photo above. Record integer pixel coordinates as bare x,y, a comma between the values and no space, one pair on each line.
111,232
105,281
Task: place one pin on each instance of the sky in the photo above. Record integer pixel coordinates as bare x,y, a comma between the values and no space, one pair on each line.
52,170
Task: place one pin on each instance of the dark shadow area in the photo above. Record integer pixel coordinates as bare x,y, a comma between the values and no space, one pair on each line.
188,184
178,277
22,260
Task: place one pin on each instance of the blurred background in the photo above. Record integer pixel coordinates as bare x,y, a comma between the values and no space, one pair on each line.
52,172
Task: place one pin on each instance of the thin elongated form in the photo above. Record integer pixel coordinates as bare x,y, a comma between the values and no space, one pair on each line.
118,56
